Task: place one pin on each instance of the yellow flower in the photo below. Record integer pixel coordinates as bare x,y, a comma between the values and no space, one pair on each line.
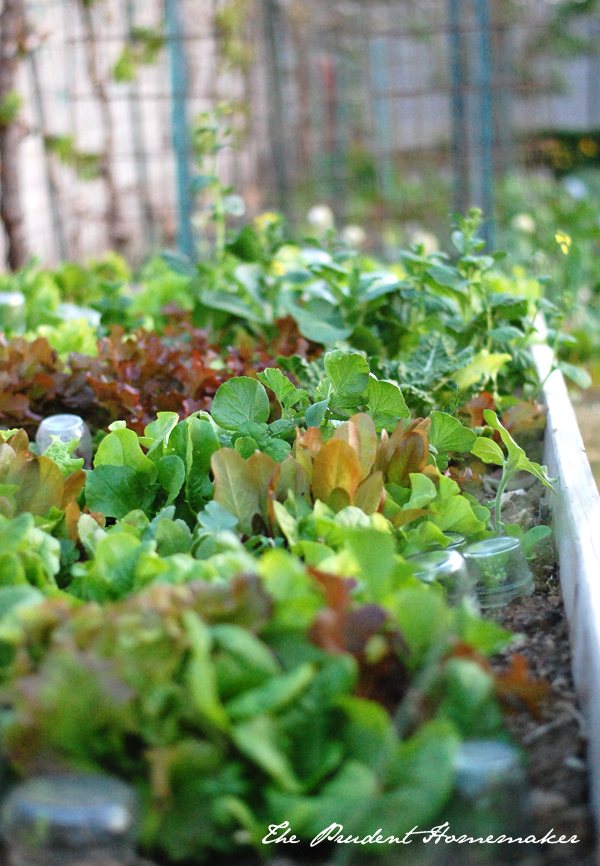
564,241
265,220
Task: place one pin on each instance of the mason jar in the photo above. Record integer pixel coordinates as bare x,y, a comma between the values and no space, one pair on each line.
68,427
71,820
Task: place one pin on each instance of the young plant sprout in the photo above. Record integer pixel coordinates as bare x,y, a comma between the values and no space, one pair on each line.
515,461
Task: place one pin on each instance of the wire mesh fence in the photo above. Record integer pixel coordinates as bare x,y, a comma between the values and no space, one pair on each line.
394,112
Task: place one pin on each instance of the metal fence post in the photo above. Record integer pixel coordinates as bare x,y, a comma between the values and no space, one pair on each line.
471,65
276,114
460,135
380,87
483,162
137,132
180,131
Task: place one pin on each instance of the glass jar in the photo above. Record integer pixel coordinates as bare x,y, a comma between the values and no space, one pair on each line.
13,315
69,312
455,542
489,799
70,820
499,569
68,427
448,568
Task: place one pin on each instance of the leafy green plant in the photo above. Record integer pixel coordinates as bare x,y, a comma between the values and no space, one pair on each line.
516,460
246,710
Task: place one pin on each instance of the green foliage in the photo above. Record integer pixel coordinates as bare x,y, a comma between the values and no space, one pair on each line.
252,645
515,461
10,107
87,166
143,50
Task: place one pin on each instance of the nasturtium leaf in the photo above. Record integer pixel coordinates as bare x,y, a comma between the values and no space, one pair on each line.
239,400
348,373
336,465
448,434
235,487
117,490
483,365
488,451
386,403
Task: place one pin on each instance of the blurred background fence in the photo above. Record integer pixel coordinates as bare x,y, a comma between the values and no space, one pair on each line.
393,112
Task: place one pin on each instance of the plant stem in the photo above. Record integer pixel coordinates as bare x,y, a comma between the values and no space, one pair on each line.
501,486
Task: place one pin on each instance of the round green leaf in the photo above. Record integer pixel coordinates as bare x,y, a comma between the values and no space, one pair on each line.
239,400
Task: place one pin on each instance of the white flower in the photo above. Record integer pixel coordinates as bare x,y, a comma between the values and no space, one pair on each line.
321,217
523,222
420,237
354,236
575,187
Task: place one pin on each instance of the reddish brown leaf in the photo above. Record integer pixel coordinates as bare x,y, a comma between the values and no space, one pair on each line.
517,690
336,465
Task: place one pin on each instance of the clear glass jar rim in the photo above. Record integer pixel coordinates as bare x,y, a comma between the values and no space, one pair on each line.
12,299
480,757
73,801
436,559
492,546
61,422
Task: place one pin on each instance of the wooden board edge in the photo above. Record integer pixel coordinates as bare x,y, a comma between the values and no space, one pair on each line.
576,519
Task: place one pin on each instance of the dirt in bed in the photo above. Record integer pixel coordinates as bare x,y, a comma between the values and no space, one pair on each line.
555,743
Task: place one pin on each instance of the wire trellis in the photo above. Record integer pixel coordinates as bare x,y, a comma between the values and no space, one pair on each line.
350,102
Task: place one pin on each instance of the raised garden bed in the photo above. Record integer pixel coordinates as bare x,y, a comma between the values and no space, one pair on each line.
262,553
576,522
